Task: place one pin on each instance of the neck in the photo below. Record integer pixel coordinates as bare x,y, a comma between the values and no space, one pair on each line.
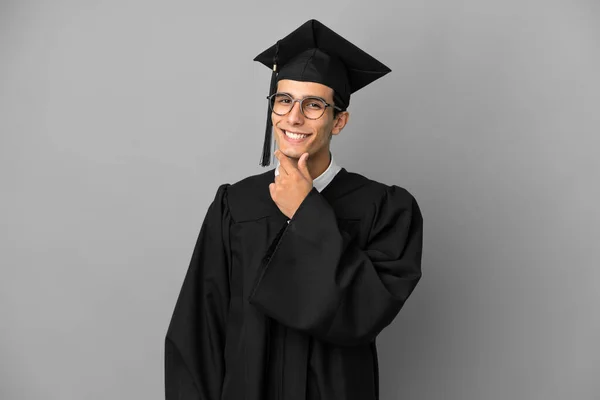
318,163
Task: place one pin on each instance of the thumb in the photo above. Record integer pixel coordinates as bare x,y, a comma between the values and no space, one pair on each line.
303,165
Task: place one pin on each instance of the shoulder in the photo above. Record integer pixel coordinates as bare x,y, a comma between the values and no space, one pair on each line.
252,184
378,194
249,198
390,208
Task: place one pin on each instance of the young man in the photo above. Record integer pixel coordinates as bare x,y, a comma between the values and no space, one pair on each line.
297,270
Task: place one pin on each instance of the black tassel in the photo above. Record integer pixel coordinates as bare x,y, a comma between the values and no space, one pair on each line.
266,153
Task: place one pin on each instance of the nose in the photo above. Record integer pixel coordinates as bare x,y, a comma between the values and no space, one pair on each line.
295,117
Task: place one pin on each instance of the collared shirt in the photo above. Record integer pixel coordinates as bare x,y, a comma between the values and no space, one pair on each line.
321,181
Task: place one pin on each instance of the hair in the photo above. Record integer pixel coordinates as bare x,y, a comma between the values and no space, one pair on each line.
337,100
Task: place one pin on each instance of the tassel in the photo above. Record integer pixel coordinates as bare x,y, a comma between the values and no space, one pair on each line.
266,153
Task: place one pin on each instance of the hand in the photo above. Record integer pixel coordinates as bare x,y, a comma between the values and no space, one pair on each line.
292,185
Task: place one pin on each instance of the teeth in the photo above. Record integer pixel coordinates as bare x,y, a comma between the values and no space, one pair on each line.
295,135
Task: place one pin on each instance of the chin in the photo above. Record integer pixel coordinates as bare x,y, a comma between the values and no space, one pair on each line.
289,151
292,153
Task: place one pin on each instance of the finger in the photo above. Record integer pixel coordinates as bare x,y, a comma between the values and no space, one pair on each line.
285,163
272,190
279,155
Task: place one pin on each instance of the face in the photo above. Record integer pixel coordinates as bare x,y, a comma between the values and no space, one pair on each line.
317,132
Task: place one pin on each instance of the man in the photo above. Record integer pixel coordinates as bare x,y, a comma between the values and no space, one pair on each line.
297,270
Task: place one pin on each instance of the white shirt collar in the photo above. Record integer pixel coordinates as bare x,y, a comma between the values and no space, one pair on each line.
321,181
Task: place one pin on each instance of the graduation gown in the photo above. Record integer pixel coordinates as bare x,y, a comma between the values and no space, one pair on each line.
278,310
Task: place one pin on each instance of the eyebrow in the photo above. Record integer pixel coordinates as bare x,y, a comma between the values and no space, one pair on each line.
304,97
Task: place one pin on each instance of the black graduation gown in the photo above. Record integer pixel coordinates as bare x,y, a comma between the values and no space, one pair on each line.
271,310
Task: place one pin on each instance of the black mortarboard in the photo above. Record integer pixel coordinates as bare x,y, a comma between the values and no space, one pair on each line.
315,53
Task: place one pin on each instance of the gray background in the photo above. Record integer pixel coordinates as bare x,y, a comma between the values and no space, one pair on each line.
119,119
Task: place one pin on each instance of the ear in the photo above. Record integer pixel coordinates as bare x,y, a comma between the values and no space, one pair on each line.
340,122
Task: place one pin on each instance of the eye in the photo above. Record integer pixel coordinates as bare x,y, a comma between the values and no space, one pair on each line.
314,104
282,99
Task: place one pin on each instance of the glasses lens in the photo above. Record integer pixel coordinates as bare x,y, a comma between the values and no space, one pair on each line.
313,107
281,104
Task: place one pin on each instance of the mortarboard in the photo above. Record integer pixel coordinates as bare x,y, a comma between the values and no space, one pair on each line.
315,53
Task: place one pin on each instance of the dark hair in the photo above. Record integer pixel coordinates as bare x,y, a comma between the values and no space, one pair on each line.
337,100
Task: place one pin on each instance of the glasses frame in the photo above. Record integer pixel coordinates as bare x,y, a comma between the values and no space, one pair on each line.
269,98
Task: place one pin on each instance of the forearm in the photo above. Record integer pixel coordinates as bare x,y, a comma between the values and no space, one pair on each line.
319,281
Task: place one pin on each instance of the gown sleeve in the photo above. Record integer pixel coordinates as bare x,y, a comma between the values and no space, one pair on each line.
195,340
318,280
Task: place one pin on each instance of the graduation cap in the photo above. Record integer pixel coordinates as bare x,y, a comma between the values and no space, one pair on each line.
315,53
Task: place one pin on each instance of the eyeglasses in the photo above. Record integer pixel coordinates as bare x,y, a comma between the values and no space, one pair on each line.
311,107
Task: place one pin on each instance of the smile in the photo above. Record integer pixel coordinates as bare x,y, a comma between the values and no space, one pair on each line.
295,137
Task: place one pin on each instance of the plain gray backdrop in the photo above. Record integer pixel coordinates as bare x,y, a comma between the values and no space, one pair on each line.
119,119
